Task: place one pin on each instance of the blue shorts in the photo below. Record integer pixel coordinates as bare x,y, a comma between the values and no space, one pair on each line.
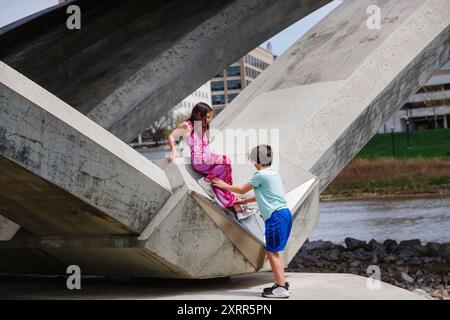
278,229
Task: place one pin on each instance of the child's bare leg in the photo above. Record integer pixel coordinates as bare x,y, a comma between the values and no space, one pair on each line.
276,262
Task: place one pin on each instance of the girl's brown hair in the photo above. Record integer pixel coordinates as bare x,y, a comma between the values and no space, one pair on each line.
199,113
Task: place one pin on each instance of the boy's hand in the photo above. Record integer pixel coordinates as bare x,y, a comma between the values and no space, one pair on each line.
219,183
241,201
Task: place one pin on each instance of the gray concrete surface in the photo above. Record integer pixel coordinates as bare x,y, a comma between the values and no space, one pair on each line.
134,60
330,92
113,212
304,286
61,173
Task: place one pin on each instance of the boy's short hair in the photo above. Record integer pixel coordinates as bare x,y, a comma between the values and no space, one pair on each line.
261,154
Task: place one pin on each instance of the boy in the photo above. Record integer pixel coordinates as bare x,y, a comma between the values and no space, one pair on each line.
270,197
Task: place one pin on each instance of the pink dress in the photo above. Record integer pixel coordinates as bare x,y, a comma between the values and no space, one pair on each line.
211,164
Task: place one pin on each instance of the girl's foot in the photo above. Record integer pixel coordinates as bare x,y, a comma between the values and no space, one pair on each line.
247,212
237,208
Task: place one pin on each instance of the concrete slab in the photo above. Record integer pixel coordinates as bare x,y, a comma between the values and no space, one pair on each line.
61,173
121,68
329,93
304,286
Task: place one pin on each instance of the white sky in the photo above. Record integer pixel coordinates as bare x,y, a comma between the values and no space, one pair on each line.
283,40
13,10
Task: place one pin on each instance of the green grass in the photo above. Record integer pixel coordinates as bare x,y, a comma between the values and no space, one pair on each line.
426,144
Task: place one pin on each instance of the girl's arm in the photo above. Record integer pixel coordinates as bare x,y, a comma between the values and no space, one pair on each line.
180,130
236,189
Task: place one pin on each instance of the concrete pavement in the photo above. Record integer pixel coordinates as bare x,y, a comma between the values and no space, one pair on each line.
304,286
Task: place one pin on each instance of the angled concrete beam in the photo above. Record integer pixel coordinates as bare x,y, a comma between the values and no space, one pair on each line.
134,60
332,90
212,45
64,174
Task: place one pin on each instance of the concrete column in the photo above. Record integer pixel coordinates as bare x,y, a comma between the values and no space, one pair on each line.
331,107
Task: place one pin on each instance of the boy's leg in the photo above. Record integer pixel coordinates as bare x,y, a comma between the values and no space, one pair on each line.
278,228
276,263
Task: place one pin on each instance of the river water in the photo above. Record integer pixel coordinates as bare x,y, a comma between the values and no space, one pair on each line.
424,219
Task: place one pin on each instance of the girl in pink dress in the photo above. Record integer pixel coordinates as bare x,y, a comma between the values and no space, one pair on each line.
202,159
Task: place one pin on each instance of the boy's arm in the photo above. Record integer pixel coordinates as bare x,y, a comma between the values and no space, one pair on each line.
248,200
236,189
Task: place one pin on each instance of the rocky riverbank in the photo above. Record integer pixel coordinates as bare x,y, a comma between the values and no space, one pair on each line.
423,268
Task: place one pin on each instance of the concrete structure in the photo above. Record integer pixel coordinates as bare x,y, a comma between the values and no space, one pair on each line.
100,205
428,109
341,81
121,68
226,85
304,286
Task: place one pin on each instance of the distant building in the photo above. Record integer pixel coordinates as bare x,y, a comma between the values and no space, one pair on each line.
181,111
428,109
230,82
184,108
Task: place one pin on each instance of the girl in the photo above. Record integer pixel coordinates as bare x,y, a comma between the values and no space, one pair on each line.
203,160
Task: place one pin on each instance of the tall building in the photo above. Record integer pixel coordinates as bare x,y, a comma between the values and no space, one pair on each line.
230,82
428,109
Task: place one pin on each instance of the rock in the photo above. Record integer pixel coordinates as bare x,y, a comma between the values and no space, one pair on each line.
378,249
401,269
415,262
444,280
348,255
373,244
433,249
355,264
362,254
421,251
399,262
409,246
423,294
374,259
390,245
354,244
333,255
406,277
321,245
